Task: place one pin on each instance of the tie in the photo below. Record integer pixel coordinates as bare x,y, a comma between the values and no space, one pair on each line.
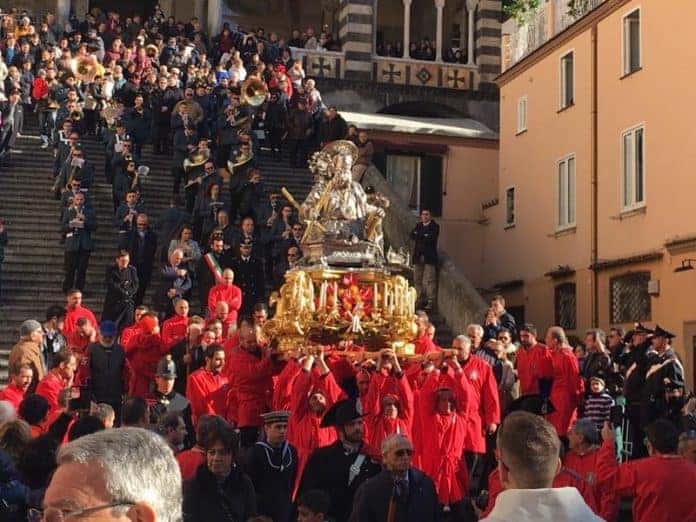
401,490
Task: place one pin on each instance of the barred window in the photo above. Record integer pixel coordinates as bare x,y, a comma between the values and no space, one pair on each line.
565,302
630,301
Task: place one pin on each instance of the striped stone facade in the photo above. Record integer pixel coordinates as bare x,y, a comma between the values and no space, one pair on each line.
487,36
355,30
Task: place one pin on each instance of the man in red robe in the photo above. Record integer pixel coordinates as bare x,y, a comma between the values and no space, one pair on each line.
20,377
222,316
484,409
226,291
144,351
444,408
314,391
388,413
206,388
661,485
582,459
80,338
174,329
74,310
567,388
131,331
532,360
59,379
251,371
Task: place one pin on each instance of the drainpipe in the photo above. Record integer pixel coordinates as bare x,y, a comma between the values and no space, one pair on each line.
594,175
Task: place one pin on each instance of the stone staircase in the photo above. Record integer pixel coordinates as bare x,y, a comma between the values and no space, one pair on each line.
33,267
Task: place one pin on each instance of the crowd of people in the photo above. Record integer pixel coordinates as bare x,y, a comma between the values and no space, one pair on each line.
422,50
182,399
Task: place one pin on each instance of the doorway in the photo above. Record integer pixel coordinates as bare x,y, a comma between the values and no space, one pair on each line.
689,360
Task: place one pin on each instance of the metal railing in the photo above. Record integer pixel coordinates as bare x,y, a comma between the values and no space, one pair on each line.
567,15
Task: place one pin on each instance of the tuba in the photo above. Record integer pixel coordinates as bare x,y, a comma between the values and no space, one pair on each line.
239,161
195,112
84,68
254,92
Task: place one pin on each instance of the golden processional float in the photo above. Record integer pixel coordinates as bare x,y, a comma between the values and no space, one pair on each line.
345,288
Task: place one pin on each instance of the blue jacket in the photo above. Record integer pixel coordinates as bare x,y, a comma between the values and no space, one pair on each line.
13,493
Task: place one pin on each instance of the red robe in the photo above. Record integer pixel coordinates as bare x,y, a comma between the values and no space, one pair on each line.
565,478
443,438
77,343
532,365
425,344
128,333
189,460
484,402
662,486
71,317
13,395
50,387
230,347
206,392
586,466
282,390
251,388
144,352
378,427
304,431
566,391
231,294
174,330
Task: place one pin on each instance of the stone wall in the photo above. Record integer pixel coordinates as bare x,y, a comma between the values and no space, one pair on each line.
457,299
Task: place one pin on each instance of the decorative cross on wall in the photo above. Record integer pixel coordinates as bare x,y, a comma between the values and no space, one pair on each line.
392,73
320,66
453,78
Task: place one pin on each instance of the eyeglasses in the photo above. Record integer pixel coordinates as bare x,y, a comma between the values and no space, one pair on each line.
403,452
57,515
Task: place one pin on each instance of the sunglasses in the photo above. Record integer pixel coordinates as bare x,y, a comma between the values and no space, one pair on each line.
403,452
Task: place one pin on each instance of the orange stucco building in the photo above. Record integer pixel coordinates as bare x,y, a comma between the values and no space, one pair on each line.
595,186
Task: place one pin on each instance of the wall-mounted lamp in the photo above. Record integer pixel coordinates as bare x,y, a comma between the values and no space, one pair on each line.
686,264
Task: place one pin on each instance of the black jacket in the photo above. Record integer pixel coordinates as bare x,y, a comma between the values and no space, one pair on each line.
328,469
107,381
205,499
273,472
121,286
425,249
418,505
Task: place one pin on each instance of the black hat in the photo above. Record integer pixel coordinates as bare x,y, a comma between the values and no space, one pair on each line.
166,368
640,329
342,413
660,332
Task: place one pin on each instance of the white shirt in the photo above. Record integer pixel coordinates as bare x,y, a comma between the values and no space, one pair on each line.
537,505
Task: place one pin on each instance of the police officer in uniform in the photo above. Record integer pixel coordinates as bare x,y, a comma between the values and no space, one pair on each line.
340,468
665,371
272,467
636,360
165,399
249,276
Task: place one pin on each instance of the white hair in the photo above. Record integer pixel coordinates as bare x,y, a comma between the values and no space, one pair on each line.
7,412
395,439
463,340
476,328
138,466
